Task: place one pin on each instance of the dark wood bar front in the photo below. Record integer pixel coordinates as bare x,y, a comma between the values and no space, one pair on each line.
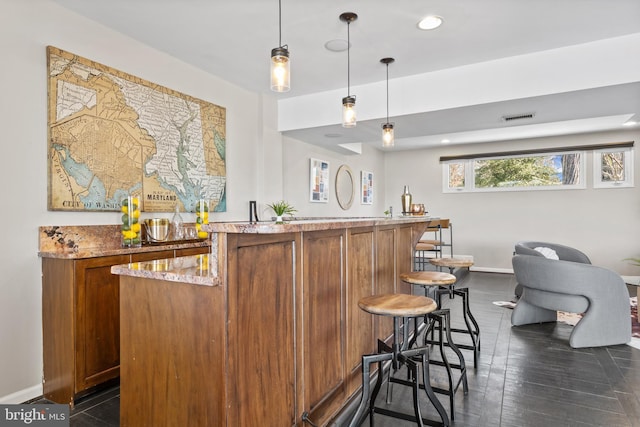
274,336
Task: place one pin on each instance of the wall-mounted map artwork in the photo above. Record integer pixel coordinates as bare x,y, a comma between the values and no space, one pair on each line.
112,135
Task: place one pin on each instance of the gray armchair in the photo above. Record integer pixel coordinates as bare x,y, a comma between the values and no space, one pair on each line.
551,285
564,253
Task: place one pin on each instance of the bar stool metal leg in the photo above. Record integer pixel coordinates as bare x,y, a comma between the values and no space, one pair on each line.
472,331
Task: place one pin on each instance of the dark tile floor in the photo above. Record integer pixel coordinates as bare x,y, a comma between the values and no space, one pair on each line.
527,376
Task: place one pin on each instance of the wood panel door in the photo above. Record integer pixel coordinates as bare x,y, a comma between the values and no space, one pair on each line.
323,336
262,277
386,275
359,324
97,321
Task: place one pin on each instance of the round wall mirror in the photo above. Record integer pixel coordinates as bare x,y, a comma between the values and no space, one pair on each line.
345,187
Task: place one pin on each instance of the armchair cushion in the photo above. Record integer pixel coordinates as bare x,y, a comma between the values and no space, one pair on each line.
547,252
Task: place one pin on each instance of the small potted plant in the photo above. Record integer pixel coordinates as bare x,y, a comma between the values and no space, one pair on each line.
281,208
634,261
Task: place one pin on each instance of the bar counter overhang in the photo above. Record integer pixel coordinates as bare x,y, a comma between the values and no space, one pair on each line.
266,329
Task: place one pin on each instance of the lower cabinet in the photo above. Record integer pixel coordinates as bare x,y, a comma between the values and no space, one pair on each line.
81,322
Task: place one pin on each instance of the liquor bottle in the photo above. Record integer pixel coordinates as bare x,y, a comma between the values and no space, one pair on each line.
406,201
177,225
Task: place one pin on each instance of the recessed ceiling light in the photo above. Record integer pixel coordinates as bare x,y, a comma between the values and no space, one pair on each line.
430,22
445,141
337,45
630,123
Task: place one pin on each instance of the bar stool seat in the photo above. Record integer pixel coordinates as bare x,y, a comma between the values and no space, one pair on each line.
452,262
424,246
434,242
428,278
420,251
398,306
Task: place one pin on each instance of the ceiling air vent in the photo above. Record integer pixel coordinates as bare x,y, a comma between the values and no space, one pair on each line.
521,116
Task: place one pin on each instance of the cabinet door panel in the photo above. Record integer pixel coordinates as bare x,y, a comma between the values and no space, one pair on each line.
323,340
98,321
359,324
385,276
261,331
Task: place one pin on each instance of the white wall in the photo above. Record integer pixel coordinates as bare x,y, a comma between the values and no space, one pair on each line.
604,223
26,28
296,155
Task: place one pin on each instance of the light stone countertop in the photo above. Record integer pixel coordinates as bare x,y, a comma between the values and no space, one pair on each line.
196,270
311,224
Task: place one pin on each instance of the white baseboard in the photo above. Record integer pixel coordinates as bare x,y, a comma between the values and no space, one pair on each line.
22,396
492,270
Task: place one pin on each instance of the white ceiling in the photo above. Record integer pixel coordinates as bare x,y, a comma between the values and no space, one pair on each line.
233,40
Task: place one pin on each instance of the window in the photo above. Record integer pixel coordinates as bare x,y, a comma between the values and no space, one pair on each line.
539,171
613,168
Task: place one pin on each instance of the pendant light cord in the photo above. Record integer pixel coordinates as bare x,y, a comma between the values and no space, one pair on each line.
280,23
348,60
387,92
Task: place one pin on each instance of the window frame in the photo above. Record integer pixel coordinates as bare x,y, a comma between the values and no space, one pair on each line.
469,175
628,182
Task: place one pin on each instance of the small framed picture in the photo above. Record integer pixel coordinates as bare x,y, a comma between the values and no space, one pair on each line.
318,181
366,188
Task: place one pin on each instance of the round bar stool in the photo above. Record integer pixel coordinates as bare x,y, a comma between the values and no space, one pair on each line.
452,263
433,282
473,330
401,307
420,258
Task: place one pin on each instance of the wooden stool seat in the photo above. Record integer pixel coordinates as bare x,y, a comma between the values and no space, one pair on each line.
428,278
433,242
398,305
424,246
451,262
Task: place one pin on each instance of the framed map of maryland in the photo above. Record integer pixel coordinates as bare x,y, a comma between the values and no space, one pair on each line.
112,135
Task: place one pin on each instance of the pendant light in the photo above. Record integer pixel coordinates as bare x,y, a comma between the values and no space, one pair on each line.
387,128
280,75
348,102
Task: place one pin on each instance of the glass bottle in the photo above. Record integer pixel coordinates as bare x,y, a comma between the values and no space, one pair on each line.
130,229
202,217
177,225
406,201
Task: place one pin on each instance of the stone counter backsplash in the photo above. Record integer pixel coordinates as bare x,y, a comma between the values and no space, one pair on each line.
87,241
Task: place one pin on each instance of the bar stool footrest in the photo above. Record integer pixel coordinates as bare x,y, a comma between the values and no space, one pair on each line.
406,417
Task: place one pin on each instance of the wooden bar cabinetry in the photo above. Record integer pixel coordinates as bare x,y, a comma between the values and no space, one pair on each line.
81,321
287,307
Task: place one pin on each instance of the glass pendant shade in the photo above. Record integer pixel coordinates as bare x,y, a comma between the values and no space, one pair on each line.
349,111
387,135
280,75
388,138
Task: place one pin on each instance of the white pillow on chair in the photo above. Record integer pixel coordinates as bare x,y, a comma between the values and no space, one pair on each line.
547,252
